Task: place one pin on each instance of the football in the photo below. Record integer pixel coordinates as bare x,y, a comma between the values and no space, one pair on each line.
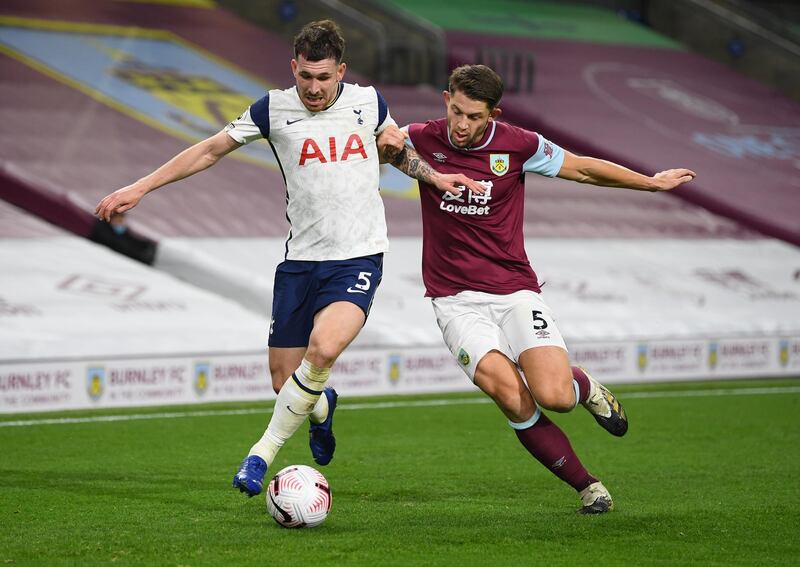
299,497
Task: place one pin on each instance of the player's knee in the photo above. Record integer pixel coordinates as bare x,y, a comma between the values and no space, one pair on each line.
513,402
322,355
521,411
557,397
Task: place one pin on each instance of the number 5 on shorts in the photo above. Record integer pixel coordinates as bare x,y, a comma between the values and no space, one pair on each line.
363,283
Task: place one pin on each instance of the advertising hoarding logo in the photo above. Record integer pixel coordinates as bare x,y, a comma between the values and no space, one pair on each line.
783,352
395,361
201,375
95,381
713,355
641,357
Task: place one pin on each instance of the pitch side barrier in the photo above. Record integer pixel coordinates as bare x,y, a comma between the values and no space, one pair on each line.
192,378
84,328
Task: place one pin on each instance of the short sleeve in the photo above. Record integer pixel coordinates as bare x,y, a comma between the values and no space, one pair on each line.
412,130
547,159
253,124
384,118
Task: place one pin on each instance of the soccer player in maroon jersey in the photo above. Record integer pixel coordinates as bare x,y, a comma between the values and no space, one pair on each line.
485,294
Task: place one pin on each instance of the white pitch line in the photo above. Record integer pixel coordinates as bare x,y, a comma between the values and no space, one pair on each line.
717,392
390,405
130,417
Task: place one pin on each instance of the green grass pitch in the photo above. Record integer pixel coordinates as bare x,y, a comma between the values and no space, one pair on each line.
701,478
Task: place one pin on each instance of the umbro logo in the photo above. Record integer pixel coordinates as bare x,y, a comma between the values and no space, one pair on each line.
290,122
439,157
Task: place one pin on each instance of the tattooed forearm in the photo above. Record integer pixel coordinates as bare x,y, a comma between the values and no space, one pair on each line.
409,162
389,154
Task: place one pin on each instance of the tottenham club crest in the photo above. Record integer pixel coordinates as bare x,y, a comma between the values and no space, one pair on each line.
498,163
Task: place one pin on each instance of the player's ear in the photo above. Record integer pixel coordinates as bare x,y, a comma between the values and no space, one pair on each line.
495,113
294,66
446,97
340,70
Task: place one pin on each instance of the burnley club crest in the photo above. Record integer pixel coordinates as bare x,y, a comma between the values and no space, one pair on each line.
498,163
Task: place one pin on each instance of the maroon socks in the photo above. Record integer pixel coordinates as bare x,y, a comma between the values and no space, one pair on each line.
548,444
581,383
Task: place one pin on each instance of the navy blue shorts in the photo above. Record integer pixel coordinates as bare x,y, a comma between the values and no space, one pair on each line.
302,288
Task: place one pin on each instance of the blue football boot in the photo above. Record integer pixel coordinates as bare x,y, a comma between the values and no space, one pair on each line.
320,435
250,478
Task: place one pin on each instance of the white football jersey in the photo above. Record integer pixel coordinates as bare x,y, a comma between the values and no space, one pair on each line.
329,161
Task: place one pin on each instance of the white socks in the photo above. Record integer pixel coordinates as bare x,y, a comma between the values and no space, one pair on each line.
299,397
320,412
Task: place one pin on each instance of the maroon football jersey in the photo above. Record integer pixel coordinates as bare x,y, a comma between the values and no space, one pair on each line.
475,242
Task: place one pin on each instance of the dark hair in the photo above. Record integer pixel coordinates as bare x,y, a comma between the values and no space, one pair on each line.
478,82
319,40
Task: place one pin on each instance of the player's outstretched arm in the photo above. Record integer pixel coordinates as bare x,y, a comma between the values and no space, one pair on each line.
608,174
190,161
411,163
392,149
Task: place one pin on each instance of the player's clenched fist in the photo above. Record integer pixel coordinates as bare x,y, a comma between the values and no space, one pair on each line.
390,143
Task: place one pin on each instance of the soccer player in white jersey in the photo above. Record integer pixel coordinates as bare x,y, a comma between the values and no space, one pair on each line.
323,134
485,294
